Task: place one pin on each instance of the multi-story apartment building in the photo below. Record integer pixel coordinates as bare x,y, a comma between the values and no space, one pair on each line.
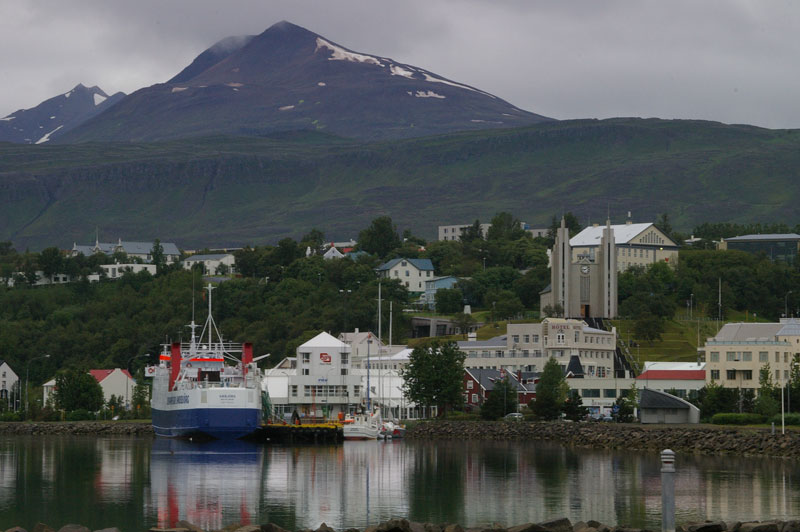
453,232
735,356
528,346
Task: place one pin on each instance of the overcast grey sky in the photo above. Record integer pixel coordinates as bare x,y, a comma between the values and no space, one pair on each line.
734,61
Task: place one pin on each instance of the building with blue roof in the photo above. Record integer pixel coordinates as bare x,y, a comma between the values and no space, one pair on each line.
412,273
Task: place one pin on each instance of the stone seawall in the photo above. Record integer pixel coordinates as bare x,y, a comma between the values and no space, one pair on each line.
679,438
101,428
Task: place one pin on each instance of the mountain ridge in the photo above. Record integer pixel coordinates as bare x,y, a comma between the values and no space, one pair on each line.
289,78
239,190
56,116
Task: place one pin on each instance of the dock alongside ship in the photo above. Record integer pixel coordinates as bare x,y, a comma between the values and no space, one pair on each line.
291,434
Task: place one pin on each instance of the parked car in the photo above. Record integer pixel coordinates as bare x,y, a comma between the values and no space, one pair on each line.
513,416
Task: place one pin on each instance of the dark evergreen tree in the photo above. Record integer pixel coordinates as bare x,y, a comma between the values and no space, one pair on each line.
502,400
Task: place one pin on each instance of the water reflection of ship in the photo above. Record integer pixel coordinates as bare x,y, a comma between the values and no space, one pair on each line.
209,484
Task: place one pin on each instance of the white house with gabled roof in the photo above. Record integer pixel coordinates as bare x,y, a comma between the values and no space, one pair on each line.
139,250
214,263
412,273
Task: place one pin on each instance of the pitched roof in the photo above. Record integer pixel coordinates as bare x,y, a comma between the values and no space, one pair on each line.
324,339
101,374
574,366
790,327
773,236
623,233
672,374
737,332
211,256
655,399
487,377
138,248
420,264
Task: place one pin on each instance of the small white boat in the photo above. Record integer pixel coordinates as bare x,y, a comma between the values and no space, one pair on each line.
390,430
363,427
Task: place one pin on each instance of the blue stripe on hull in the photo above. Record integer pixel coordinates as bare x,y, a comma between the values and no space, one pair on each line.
220,423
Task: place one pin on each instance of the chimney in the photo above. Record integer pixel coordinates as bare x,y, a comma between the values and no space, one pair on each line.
175,363
247,355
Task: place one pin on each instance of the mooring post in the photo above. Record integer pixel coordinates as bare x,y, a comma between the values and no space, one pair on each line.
667,491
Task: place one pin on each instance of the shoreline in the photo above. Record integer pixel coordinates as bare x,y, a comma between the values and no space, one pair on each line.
635,437
703,439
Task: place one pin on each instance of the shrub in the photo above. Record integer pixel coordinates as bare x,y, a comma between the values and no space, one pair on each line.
80,415
737,419
789,419
11,416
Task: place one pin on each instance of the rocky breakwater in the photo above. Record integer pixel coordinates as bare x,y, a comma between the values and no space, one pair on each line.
101,428
403,525
683,438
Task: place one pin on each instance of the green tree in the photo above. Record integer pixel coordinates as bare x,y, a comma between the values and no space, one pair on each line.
77,390
51,262
648,328
464,322
472,232
551,391
505,227
157,256
502,400
380,237
434,375
766,403
449,300
573,407
570,221
140,400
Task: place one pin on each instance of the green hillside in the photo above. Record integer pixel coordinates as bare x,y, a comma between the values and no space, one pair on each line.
233,191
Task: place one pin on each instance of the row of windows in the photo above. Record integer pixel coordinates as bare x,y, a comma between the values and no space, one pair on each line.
343,356
744,374
560,338
747,356
325,391
408,273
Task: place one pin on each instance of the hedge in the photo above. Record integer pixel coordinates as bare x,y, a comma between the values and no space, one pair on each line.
737,419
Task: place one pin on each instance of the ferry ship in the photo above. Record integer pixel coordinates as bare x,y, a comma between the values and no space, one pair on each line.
206,387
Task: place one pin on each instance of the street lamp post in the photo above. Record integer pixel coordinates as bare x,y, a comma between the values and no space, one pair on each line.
691,305
27,373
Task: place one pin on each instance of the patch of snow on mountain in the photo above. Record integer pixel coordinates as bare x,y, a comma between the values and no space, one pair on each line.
8,118
428,94
434,79
47,136
286,108
400,71
321,83
68,94
98,98
52,117
340,54
178,89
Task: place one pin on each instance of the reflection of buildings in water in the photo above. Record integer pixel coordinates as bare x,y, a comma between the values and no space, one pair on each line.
557,480
329,484
209,484
747,487
8,479
113,477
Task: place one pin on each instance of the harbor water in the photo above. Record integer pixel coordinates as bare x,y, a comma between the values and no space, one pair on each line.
137,483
